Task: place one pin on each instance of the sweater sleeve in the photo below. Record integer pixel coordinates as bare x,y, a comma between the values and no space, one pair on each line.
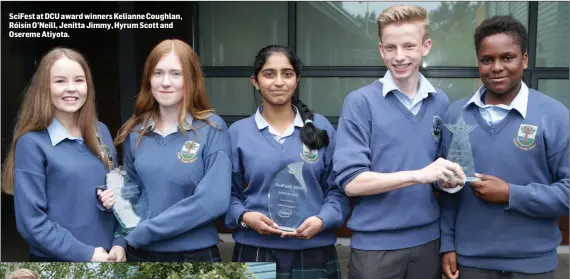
209,201
543,200
30,202
236,200
352,151
336,206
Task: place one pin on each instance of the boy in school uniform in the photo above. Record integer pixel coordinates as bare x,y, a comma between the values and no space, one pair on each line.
506,225
388,140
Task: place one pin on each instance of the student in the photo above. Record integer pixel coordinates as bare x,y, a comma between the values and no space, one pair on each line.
387,141
284,131
506,226
178,152
59,154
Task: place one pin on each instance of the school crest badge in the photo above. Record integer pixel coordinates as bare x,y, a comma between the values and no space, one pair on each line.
189,152
106,151
436,128
308,155
525,138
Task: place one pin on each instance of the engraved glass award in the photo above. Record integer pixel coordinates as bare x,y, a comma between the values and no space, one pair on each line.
127,199
460,148
288,197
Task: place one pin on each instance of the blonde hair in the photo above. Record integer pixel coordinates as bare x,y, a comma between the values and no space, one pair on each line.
403,14
23,273
36,112
195,101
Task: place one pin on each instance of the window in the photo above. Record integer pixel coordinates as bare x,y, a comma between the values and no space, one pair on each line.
346,33
457,88
555,88
232,96
552,35
326,95
231,33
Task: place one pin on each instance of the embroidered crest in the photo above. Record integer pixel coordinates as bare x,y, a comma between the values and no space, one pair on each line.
106,151
436,128
525,138
189,152
309,156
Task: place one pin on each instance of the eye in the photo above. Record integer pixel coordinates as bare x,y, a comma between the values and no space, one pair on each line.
485,60
177,74
508,58
157,73
268,74
289,74
410,46
79,80
390,48
59,81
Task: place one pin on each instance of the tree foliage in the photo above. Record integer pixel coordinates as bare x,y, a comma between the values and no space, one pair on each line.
150,270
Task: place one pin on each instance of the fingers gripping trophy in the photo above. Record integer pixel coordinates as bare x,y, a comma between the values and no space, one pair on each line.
130,206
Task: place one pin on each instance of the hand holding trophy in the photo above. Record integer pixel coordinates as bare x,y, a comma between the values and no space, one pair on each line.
122,203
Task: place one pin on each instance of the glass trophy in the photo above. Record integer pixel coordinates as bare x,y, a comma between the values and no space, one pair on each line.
127,201
288,197
460,148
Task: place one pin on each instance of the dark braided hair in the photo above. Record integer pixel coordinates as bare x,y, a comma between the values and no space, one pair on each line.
313,137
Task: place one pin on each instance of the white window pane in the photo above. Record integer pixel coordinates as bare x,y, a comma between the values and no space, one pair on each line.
231,33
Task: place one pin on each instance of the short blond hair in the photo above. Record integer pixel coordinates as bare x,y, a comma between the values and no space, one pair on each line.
402,14
23,273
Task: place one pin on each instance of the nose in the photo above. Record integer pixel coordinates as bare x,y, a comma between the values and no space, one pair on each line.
497,66
400,54
279,80
71,87
165,81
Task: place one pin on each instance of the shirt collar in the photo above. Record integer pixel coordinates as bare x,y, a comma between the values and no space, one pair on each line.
173,129
262,124
520,102
57,133
388,85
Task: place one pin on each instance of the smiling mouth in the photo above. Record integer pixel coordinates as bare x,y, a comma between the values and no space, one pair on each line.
70,99
402,66
498,79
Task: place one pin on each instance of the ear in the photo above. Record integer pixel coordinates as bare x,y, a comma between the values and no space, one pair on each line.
525,60
427,46
381,49
254,82
297,84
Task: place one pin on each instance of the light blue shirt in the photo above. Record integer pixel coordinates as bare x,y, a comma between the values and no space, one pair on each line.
57,133
173,129
493,114
262,124
412,104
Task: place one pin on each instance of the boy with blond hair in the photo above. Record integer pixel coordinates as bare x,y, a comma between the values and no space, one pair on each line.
387,141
